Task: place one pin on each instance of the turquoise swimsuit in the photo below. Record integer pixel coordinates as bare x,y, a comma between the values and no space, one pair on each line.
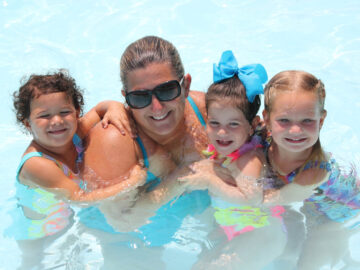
168,218
46,215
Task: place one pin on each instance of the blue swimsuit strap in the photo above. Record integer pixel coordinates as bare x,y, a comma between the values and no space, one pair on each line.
144,153
24,159
197,111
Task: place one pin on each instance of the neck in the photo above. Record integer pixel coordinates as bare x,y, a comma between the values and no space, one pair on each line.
285,161
66,154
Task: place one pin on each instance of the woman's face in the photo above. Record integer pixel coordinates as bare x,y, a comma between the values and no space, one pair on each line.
160,118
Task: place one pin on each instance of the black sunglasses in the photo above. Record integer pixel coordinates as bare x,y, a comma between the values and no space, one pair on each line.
166,91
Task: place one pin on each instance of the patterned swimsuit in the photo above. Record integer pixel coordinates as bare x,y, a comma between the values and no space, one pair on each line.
39,213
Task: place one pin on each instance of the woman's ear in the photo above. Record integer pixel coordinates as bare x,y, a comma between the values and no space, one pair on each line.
187,83
123,93
322,119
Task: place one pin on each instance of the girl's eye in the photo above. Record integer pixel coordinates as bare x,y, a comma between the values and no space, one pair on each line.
283,121
234,124
44,115
213,123
65,112
308,121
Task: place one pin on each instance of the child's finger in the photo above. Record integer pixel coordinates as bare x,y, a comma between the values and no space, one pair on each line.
105,122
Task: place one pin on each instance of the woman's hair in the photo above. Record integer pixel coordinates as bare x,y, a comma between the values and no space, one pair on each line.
148,50
38,85
233,91
296,80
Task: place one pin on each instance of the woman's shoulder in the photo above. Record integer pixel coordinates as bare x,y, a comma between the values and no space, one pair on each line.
199,99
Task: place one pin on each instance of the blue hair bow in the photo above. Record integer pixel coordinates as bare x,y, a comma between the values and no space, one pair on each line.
252,76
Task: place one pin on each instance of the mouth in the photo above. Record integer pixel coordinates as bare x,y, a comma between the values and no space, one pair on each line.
295,141
57,131
224,143
160,117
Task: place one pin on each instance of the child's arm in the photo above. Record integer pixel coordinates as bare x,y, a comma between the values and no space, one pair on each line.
44,173
108,112
141,206
302,188
209,176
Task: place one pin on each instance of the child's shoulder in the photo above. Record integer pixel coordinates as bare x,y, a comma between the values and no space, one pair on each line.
315,172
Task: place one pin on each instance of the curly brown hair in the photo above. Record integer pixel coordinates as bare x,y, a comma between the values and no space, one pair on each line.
38,85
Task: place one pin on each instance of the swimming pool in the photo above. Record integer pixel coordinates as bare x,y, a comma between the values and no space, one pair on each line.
87,38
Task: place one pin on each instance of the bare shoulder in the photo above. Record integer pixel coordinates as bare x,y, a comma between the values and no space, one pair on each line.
199,98
313,176
251,163
251,157
109,154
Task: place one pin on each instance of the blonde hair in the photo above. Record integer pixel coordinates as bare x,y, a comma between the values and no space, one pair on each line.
148,50
297,80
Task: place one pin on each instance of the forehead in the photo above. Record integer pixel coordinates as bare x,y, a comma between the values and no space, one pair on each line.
225,110
50,100
150,76
295,102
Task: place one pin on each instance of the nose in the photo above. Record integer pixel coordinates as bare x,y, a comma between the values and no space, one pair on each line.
56,120
222,131
295,128
156,104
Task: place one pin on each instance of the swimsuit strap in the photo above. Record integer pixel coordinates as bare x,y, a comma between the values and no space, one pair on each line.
143,150
24,159
197,111
151,179
79,147
254,143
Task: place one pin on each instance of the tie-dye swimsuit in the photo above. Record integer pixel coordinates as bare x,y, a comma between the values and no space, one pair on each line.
237,219
337,199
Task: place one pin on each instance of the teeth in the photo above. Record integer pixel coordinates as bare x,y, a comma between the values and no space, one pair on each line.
160,117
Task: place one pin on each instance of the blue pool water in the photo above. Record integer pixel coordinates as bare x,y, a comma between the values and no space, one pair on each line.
88,38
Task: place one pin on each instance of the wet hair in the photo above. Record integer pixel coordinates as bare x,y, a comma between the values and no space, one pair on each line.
149,50
297,80
38,85
233,91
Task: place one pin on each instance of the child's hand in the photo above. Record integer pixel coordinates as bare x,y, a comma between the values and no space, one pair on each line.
196,181
202,171
120,117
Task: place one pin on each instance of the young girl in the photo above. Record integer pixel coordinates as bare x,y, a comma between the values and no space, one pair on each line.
294,114
49,107
232,103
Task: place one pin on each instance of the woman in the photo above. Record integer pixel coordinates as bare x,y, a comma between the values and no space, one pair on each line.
169,120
